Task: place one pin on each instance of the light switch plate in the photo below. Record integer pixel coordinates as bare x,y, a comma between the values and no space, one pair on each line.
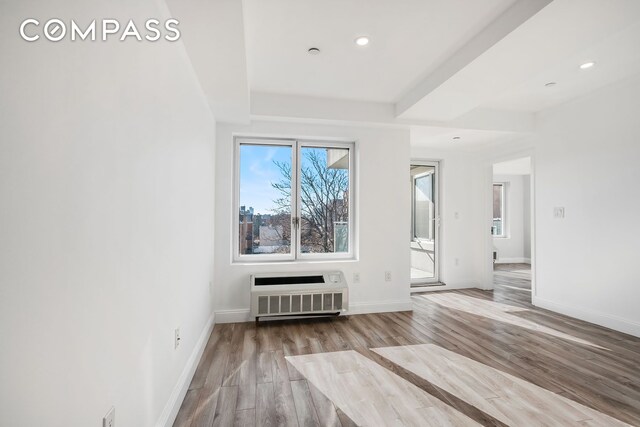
109,420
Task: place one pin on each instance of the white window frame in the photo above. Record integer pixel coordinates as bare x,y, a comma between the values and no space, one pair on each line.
414,237
503,209
295,254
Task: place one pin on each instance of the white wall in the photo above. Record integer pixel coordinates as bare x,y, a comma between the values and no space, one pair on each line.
382,219
106,230
586,161
515,247
461,220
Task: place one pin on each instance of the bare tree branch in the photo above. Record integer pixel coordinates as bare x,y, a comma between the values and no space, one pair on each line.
323,199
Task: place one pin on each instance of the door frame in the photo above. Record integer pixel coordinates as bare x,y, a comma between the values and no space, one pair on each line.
517,153
436,164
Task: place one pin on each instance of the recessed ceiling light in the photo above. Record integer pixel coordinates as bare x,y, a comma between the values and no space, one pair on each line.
550,84
362,41
455,138
313,51
587,65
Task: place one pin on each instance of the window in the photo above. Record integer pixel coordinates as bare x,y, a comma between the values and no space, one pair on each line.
294,200
498,227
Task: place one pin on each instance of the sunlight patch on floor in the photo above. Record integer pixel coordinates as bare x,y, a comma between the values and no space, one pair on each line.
371,395
507,398
499,312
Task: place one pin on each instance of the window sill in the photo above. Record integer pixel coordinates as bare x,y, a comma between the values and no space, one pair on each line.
296,262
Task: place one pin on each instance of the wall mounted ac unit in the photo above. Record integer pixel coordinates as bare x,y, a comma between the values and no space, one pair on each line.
298,294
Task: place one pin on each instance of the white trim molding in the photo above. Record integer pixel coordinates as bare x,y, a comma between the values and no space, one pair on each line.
380,307
244,315
233,316
607,320
170,411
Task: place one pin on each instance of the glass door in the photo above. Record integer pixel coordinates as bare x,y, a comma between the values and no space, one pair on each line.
425,223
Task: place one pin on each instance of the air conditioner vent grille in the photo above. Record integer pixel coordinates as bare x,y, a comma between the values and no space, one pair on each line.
295,303
285,304
274,304
305,303
302,294
337,301
263,304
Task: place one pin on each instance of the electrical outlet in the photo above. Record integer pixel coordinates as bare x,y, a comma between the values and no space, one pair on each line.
109,420
176,341
356,277
387,276
457,260
558,212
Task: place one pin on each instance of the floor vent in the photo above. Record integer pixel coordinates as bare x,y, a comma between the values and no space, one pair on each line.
298,295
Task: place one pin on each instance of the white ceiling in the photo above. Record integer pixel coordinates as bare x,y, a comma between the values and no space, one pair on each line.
617,57
501,53
550,46
469,139
520,166
409,38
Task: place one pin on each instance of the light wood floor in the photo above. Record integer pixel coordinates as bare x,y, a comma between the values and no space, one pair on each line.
244,377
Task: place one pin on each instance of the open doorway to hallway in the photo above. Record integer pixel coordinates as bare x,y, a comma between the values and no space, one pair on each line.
424,239
511,225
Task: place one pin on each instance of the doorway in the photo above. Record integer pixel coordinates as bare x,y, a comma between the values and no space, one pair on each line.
425,223
511,226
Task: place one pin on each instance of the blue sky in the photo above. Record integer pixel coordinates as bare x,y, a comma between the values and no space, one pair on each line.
258,172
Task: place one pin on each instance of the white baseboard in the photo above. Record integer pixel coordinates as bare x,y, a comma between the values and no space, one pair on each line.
607,320
380,307
233,316
179,391
513,261
447,286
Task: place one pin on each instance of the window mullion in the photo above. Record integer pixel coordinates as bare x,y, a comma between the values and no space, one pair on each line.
295,208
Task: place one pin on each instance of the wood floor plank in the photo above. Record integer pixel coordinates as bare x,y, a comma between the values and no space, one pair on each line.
247,380
234,361
245,418
226,408
265,407
285,408
305,409
279,366
264,367
588,364
202,369
187,410
210,390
